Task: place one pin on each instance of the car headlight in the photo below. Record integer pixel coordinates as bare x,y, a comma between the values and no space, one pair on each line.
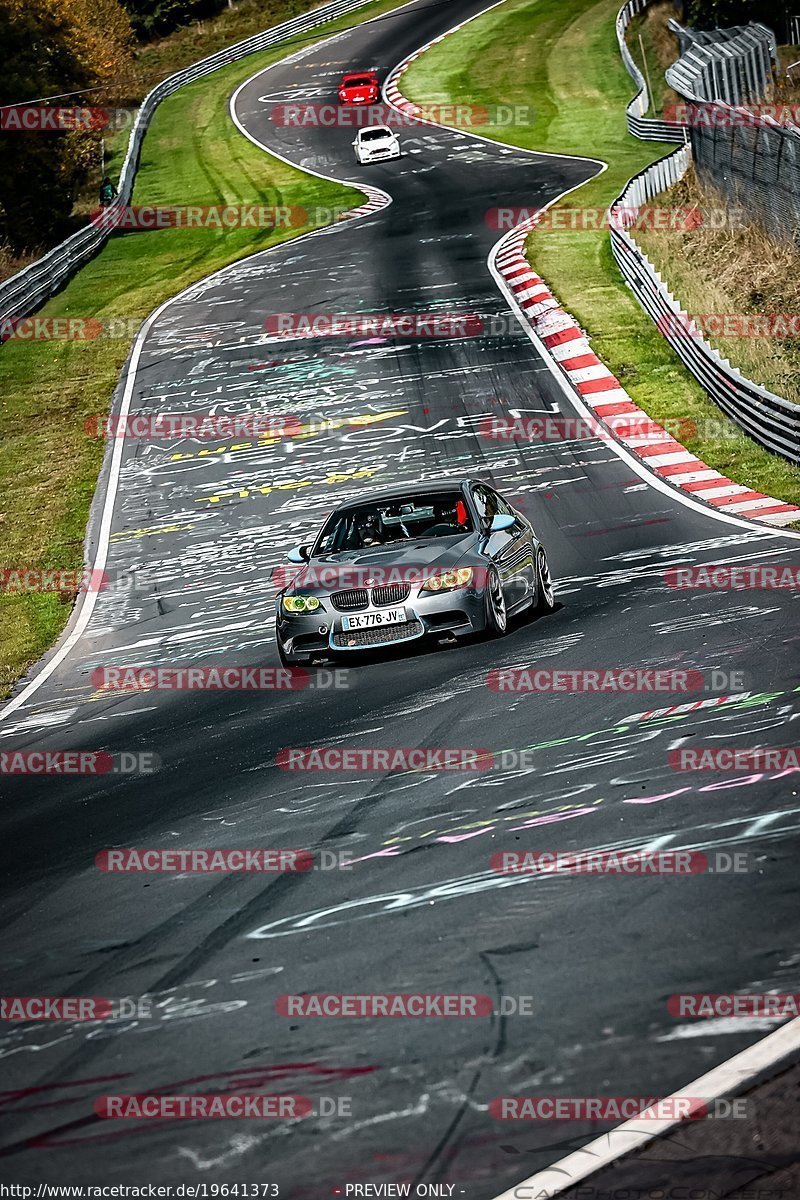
446,581
299,604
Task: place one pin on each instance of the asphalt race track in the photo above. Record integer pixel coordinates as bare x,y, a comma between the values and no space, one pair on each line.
201,528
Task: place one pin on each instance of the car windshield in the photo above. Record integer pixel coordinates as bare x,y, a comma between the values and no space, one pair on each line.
362,82
389,522
375,135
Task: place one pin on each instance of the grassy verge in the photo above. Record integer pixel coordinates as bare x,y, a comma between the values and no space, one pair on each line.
561,57
48,466
654,48
152,62
741,272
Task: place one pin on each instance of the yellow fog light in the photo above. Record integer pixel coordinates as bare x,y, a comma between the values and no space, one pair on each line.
298,604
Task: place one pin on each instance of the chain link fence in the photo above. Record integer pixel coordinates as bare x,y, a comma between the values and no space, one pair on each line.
742,170
753,161
748,155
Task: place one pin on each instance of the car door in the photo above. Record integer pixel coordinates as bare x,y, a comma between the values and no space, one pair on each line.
523,552
509,549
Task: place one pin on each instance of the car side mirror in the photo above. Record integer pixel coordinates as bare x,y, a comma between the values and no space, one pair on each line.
299,554
501,521
354,142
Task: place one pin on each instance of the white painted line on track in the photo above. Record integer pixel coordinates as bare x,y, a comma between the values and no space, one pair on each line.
84,614
507,262
101,555
630,1136
730,1076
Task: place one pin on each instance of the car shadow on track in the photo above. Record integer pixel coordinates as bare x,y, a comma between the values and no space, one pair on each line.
425,647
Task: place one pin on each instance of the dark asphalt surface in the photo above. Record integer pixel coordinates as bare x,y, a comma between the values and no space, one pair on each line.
423,910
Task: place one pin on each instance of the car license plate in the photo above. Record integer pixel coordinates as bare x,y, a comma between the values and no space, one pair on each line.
389,616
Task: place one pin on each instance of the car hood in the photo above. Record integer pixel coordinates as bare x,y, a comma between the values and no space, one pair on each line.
351,568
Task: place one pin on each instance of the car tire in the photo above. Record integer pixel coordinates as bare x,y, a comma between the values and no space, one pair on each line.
495,605
545,596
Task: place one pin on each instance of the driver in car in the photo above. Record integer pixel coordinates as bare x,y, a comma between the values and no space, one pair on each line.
368,530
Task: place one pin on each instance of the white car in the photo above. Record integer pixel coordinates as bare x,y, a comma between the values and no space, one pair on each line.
375,143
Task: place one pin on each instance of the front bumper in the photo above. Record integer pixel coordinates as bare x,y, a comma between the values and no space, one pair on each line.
460,612
379,155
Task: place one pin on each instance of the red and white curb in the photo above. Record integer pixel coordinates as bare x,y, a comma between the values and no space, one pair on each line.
391,92
375,201
569,346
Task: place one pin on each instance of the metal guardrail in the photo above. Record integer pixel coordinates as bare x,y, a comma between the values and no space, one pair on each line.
647,129
737,65
748,156
769,419
25,291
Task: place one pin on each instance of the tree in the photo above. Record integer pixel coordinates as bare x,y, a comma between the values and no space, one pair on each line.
48,48
721,14
155,18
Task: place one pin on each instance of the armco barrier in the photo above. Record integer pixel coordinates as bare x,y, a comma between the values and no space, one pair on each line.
26,290
769,419
647,129
736,65
749,157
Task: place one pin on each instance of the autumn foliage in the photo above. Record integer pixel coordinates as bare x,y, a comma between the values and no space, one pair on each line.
49,48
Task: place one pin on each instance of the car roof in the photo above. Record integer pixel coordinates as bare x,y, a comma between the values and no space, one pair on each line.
359,75
397,493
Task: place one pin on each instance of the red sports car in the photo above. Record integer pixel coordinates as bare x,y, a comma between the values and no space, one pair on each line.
362,88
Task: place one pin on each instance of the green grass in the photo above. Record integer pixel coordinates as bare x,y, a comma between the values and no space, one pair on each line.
48,466
660,51
561,57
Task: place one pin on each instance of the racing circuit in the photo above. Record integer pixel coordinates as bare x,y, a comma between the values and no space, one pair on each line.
202,529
